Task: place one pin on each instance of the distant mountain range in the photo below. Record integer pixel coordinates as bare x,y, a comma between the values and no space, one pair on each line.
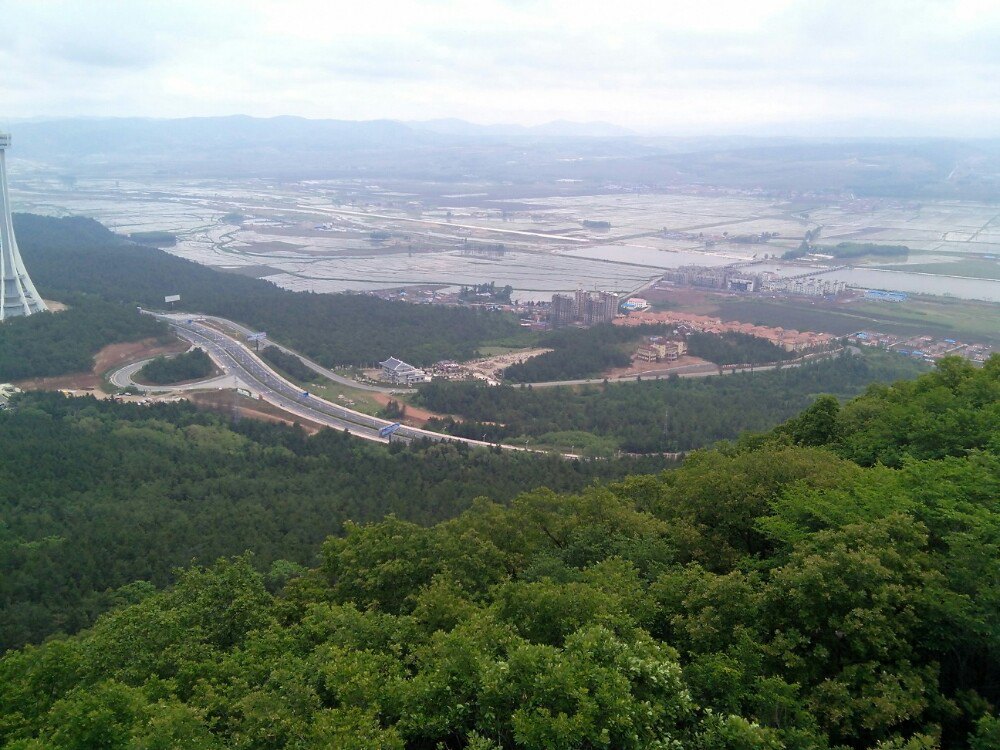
554,129
554,157
78,136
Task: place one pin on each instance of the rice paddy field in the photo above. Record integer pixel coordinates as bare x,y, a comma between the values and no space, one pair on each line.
332,236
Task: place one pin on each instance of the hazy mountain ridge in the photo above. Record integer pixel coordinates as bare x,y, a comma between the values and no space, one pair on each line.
596,154
555,129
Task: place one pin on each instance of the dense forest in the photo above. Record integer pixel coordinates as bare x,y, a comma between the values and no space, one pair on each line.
861,249
846,250
76,254
154,238
734,348
48,344
95,495
578,353
674,414
192,365
831,585
289,364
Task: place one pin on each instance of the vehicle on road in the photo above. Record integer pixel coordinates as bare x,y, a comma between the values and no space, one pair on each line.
389,429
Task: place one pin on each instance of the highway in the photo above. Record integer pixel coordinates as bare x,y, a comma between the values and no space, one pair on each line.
315,367
243,367
252,373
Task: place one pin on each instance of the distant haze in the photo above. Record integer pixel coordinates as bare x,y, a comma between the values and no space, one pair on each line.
684,67
556,158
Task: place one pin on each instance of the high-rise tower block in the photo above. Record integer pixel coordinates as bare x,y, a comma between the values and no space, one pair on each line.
17,293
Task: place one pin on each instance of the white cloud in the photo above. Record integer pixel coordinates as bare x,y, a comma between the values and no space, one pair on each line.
684,65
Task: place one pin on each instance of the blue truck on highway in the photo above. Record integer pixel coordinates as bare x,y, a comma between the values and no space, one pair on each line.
389,429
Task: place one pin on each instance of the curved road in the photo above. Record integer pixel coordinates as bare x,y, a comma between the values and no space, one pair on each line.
684,371
122,378
314,366
243,367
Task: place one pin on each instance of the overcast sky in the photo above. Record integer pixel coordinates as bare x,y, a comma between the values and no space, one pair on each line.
912,67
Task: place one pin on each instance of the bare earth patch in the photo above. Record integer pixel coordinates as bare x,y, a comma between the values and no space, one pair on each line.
492,367
110,357
225,402
118,355
415,416
659,368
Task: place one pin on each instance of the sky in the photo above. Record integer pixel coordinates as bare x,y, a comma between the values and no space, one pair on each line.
682,67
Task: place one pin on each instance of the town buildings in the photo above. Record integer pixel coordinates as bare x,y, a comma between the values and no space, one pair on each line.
807,286
743,278
926,348
563,312
583,308
635,303
659,349
789,339
400,373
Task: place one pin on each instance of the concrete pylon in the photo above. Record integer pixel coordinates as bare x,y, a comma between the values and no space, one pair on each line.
17,294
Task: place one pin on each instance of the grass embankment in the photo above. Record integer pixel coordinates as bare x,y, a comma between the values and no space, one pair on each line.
352,398
294,369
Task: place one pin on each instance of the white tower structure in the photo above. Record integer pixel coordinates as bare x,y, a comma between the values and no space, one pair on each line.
17,293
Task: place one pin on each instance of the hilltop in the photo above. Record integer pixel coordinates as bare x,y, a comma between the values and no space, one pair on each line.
829,584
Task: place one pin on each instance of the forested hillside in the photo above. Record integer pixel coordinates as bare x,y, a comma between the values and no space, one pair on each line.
580,353
577,353
95,495
734,348
77,254
675,414
191,365
57,343
773,594
949,412
288,364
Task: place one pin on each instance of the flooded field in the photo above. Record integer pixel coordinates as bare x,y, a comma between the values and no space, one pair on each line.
919,283
338,236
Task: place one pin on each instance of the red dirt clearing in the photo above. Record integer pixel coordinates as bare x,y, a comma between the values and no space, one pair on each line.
109,358
225,401
415,416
